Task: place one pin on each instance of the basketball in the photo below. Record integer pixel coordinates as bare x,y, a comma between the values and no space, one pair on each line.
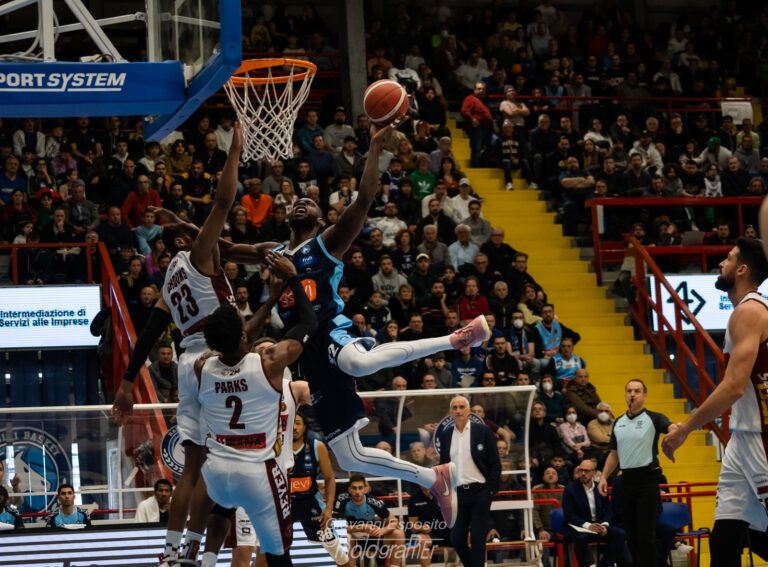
385,101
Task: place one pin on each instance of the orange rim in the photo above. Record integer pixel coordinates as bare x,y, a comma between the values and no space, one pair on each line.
257,64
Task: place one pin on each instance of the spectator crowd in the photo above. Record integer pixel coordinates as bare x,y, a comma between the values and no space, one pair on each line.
428,261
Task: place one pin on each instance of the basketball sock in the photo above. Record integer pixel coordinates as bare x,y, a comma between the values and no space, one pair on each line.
209,559
172,542
356,361
192,544
283,560
352,456
334,549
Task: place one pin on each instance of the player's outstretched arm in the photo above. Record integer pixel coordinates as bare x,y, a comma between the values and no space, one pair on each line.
339,237
745,327
326,468
158,321
205,250
245,253
287,351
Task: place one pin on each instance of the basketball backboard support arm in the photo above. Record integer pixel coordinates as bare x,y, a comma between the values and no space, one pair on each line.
193,48
48,27
213,74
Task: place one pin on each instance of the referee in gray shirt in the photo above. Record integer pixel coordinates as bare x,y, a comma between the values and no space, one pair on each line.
635,449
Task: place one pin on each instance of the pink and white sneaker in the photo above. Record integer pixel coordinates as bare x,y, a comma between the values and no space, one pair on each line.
444,491
473,334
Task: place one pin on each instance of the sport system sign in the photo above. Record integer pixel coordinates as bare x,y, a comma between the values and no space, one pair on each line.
96,89
709,305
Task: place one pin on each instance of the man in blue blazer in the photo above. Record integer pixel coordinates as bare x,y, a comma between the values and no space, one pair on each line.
471,447
584,507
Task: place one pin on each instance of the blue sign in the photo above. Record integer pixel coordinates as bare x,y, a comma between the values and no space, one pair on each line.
40,462
91,89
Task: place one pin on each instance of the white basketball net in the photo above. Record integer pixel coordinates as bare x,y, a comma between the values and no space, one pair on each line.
267,113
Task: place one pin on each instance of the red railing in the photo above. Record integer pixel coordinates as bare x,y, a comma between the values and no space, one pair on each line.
613,252
645,305
123,341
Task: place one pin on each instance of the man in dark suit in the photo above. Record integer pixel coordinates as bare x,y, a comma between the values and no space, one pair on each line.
471,447
584,507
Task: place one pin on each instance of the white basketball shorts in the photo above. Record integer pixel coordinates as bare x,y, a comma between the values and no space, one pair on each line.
189,418
262,489
742,491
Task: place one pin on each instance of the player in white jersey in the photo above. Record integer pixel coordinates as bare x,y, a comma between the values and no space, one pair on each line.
742,491
193,288
241,395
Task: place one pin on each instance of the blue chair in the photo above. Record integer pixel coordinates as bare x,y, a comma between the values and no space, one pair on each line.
678,515
557,519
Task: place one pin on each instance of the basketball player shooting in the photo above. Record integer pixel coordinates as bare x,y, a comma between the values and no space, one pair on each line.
333,358
742,491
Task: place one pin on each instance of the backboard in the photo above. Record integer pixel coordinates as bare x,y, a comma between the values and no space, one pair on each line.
193,47
205,36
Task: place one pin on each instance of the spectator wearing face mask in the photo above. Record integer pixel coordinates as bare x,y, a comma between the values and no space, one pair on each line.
553,400
600,430
574,436
522,343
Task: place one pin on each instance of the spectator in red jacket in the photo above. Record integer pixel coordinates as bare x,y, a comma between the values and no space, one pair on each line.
478,122
138,200
471,304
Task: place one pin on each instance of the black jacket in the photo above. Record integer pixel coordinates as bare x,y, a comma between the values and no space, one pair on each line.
484,453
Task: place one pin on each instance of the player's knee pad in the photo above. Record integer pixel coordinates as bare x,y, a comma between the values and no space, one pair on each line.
283,560
332,545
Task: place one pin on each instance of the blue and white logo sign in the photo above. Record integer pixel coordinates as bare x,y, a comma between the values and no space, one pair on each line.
40,462
447,423
172,451
32,89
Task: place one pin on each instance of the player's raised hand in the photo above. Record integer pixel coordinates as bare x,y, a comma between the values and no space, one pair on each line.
237,138
281,266
379,134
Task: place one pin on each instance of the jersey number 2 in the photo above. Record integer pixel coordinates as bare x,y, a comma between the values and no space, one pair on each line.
183,300
234,423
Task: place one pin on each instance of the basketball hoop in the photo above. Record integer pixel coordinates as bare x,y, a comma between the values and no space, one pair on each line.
266,103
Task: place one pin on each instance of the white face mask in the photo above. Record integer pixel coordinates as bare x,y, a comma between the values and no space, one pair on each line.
547,387
604,416
518,323
571,417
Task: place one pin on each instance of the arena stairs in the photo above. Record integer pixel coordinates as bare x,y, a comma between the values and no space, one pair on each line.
607,340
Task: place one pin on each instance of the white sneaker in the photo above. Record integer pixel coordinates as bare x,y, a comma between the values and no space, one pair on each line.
685,548
533,186
510,187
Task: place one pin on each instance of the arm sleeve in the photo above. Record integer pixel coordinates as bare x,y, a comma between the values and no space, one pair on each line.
157,323
306,320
